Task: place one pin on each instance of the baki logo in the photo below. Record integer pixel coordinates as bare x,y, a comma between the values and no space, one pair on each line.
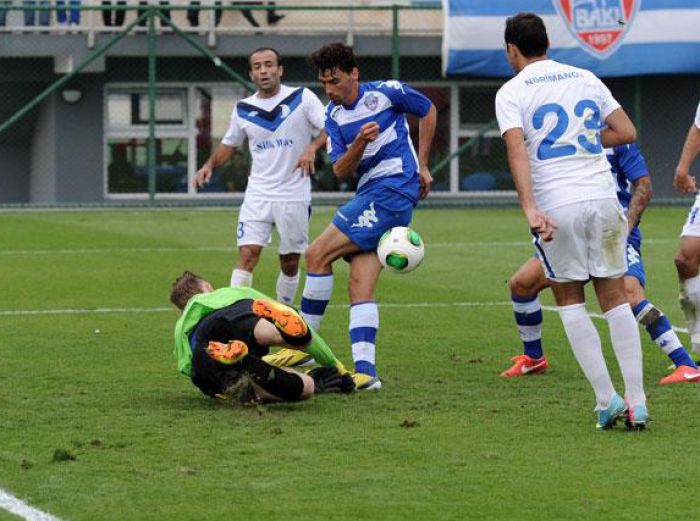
599,25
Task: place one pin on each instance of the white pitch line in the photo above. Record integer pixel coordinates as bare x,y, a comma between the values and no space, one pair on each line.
19,508
231,249
84,311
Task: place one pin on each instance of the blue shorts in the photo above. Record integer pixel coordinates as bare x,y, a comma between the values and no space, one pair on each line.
635,266
366,217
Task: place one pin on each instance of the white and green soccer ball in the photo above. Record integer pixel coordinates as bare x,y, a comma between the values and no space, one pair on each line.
400,249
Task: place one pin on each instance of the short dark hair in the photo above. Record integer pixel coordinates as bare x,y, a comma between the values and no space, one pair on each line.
262,49
527,32
184,288
333,56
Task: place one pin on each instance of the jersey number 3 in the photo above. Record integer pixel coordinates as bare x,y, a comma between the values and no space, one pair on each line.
548,148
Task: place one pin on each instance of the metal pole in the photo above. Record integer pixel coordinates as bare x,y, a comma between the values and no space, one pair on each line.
395,50
62,81
206,52
463,148
151,103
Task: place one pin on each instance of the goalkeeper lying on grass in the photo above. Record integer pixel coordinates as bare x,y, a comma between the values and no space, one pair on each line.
223,334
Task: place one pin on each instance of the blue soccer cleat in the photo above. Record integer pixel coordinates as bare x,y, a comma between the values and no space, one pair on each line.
609,416
637,418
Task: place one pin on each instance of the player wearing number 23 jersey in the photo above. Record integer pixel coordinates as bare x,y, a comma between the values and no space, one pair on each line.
551,117
560,109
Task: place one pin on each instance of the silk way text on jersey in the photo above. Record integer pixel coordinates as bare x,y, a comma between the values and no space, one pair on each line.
269,144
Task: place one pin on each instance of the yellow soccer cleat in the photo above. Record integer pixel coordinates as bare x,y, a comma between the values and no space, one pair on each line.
227,354
283,317
289,358
365,382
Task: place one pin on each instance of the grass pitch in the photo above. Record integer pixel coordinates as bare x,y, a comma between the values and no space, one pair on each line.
96,424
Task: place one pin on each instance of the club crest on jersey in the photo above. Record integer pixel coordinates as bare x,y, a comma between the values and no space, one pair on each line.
371,101
599,25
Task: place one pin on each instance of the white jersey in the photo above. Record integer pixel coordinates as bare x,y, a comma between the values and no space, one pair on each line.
278,130
560,109
697,117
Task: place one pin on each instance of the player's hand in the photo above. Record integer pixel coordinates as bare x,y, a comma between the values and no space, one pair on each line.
329,380
541,223
684,183
307,162
202,176
368,132
426,180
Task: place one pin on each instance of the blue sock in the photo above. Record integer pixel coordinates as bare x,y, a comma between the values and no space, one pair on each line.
662,333
528,317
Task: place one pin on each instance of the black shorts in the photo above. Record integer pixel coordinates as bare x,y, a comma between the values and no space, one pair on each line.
237,322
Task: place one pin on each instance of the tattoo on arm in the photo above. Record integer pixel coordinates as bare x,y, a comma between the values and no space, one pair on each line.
640,200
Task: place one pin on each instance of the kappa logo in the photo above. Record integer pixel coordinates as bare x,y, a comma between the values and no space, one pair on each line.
633,256
367,218
600,25
371,101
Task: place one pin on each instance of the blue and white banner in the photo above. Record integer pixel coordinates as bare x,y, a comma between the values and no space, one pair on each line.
608,37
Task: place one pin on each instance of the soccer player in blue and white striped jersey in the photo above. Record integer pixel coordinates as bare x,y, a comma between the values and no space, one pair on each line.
368,137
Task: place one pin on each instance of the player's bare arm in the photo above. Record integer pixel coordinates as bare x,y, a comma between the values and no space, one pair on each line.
348,162
307,160
683,181
638,203
220,156
519,163
619,131
426,132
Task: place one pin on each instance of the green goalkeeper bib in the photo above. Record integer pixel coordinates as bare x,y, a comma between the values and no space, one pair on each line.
199,307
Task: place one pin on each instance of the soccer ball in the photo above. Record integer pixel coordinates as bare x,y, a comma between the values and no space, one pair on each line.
400,249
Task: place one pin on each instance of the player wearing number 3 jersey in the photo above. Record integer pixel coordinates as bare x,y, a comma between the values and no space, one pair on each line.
550,116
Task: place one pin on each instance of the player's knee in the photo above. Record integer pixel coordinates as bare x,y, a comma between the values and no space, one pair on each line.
520,287
289,264
315,258
686,265
248,258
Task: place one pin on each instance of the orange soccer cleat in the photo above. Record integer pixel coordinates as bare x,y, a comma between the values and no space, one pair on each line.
227,354
283,317
682,374
525,365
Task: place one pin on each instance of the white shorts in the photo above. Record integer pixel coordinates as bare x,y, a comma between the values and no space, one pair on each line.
257,218
691,228
590,241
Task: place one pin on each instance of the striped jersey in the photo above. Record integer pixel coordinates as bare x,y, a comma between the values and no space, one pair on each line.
278,130
390,161
627,165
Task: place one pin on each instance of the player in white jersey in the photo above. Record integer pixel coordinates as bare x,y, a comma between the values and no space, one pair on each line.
688,255
278,122
550,116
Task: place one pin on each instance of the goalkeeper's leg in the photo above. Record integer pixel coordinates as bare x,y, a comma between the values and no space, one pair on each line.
284,326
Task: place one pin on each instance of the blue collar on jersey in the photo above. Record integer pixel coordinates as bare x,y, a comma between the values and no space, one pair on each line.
360,92
272,119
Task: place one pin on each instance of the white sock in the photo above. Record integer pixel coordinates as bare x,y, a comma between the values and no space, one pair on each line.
690,304
241,278
287,288
585,343
315,297
364,323
624,334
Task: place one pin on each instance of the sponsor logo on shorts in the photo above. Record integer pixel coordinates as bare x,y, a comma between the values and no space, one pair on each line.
367,218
